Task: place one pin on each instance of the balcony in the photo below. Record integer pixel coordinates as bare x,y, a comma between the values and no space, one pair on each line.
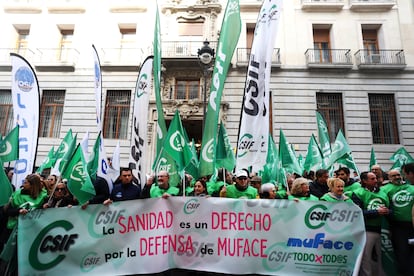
182,53
121,59
56,59
323,5
243,57
22,6
66,6
371,5
381,59
329,58
5,62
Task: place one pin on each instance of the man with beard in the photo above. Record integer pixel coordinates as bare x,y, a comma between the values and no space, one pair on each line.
241,189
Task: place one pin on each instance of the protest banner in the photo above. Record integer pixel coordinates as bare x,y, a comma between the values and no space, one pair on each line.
272,237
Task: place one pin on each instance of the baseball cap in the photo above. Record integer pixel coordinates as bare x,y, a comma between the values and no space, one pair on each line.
241,173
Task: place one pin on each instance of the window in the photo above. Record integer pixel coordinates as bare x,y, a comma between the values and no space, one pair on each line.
51,111
383,119
321,45
65,44
370,40
190,28
330,106
22,38
116,114
249,35
128,36
187,89
6,112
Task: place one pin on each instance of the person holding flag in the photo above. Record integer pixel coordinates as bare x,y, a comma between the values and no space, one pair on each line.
163,189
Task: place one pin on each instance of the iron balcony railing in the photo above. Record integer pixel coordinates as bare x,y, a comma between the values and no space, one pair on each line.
122,56
243,56
328,56
184,49
380,57
27,53
68,56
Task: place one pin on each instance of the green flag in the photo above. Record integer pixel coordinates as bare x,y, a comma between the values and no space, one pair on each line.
401,157
93,161
271,168
9,146
48,162
165,162
224,152
79,182
229,36
313,158
287,156
175,143
340,149
5,187
192,167
65,159
324,140
372,159
63,148
348,161
161,126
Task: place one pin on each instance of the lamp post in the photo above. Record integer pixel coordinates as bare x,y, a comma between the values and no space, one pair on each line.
205,57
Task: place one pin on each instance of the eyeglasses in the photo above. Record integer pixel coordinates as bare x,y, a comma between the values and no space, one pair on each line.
242,178
394,175
60,189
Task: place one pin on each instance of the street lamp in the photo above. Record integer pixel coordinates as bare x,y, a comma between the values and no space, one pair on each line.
205,57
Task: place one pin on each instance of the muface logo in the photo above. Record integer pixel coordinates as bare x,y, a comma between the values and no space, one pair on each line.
25,79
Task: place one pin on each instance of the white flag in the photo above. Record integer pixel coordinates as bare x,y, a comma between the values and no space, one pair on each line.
139,142
115,168
98,88
252,142
25,95
85,145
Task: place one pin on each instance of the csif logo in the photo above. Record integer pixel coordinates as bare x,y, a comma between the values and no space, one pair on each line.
142,85
402,198
177,141
319,215
78,172
6,149
208,151
245,144
25,79
51,243
191,206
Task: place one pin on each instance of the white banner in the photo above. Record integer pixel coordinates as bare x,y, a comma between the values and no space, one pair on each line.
252,142
98,88
271,237
25,95
139,140
103,166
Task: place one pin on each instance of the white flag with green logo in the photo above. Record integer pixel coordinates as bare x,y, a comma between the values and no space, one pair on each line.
252,142
139,141
229,35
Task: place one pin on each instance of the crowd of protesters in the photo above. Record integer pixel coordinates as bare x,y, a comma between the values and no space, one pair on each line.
382,196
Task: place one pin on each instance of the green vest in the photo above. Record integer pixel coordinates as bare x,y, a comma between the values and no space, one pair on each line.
348,190
331,198
310,197
401,199
156,191
233,192
371,201
20,200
